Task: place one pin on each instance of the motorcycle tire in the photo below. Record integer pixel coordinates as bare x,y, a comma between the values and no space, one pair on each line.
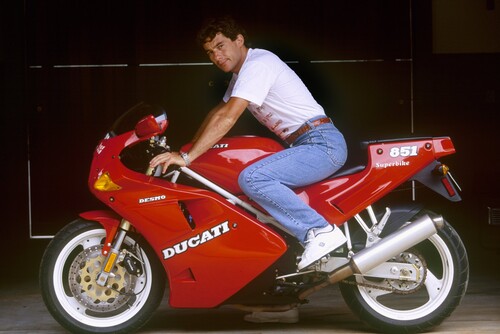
68,272
403,307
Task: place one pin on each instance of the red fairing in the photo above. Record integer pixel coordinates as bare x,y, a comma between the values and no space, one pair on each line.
203,263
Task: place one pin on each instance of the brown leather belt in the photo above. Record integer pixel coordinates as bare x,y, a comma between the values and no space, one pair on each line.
306,127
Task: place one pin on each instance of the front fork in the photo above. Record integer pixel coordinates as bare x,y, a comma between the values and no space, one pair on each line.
112,255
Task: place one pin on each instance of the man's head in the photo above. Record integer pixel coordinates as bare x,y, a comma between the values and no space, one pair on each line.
224,42
225,25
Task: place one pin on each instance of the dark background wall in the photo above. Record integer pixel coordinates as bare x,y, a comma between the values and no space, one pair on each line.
381,69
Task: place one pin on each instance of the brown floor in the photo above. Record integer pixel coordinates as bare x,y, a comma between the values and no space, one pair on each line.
22,311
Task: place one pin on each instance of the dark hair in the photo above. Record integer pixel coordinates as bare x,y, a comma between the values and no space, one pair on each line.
225,25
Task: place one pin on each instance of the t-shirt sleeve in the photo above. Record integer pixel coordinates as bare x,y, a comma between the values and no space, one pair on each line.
229,90
254,82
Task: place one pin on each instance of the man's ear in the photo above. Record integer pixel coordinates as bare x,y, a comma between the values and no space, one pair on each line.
240,40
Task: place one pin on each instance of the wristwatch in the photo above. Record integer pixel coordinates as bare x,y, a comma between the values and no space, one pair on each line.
185,156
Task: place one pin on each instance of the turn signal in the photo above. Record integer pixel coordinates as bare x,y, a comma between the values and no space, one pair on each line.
104,183
442,170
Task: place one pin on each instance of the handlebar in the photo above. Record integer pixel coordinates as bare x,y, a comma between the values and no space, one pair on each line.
157,145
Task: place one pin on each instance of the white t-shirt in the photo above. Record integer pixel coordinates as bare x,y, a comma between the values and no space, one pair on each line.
278,97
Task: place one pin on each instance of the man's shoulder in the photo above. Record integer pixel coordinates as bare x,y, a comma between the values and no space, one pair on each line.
262,54
260,58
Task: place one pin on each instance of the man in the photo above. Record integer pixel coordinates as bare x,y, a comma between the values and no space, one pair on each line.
276,96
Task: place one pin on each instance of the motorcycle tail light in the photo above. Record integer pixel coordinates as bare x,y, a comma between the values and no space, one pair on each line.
105,183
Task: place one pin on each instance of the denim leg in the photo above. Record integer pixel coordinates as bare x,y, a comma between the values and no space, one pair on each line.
270,181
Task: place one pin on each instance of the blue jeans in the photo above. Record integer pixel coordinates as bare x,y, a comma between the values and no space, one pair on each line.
313,156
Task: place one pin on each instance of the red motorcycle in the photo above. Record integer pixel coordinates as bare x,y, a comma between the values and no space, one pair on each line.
402,270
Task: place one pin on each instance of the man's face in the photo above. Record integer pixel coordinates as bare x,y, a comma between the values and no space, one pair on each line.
226,54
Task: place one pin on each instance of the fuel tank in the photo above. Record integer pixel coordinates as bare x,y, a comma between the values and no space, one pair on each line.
223,163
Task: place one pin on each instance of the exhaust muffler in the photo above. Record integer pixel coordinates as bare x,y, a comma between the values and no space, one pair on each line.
362,262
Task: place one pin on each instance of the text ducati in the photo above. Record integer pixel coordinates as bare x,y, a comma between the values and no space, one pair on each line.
197,240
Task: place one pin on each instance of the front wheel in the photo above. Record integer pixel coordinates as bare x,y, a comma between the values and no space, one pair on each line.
399,306
70,267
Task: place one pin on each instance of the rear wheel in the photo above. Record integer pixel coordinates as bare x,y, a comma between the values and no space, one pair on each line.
399,306
68,273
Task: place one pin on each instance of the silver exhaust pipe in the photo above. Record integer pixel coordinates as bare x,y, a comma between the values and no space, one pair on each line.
367,259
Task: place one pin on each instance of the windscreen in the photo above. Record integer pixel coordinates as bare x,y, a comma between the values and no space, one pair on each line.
131,117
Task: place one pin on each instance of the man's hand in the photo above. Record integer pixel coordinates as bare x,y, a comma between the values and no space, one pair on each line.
167,159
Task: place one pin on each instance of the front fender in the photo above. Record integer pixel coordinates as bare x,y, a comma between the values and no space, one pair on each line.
109,220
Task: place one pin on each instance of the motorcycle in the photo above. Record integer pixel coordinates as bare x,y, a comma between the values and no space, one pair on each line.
404,269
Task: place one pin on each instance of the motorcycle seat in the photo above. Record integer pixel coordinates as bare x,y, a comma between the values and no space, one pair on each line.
347,170
356,162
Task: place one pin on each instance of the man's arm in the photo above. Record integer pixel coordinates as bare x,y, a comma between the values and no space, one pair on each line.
220,122
206,120
217,123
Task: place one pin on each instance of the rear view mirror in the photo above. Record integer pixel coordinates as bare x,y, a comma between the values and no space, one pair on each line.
147,127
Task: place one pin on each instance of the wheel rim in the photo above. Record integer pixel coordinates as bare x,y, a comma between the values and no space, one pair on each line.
74,276
405,307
